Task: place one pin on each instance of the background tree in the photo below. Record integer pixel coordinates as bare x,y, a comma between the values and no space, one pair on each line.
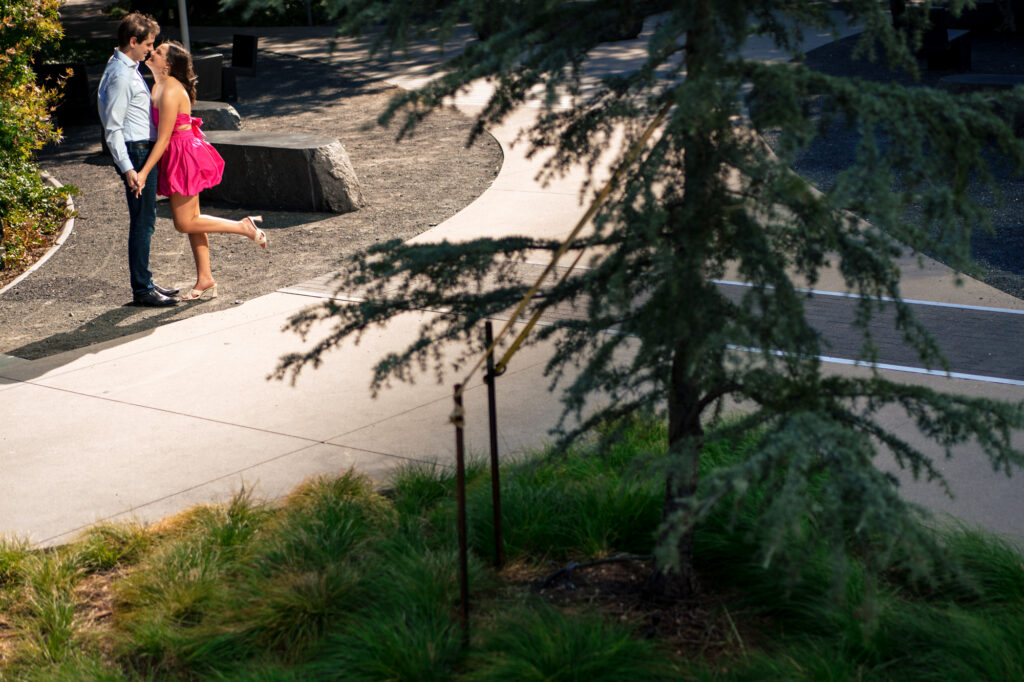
701,199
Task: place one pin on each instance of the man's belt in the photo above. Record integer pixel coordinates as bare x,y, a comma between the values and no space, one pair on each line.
139,144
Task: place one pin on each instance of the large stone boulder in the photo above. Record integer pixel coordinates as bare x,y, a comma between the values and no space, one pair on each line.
217,115
290,171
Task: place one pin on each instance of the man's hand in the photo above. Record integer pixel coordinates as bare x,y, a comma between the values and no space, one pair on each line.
133,182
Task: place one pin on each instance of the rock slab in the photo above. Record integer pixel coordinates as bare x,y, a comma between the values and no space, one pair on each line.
217,115
285,171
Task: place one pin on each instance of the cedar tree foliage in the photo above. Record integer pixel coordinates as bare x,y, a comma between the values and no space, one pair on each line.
705,199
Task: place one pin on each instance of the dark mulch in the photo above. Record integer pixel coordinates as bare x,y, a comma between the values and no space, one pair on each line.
702,627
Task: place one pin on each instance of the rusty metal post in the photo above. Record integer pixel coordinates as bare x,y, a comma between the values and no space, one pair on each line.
492,417
460,487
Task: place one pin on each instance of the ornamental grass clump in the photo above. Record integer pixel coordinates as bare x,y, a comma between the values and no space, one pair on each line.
340,581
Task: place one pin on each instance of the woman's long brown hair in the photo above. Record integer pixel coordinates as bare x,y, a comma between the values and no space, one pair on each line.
179,65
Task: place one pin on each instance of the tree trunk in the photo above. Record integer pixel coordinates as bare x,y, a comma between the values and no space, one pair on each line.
678,579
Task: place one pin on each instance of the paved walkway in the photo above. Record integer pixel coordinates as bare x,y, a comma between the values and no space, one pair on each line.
150,424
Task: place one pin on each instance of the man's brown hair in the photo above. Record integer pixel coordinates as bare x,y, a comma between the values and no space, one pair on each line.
136,25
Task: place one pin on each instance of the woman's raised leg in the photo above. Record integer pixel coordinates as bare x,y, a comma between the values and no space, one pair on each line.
188,220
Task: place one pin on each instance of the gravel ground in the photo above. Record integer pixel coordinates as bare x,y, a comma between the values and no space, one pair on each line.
81,295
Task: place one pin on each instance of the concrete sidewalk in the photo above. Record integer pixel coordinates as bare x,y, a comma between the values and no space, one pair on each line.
150,424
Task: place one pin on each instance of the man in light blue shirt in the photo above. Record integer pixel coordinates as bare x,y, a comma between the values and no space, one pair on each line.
129,131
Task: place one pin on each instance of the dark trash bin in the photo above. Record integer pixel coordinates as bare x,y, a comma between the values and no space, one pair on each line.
208,71
243,51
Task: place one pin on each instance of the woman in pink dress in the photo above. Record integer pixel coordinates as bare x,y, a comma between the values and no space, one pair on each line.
188,163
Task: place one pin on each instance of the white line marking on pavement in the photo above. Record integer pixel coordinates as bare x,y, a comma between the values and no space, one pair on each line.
848,294
843,294
824,358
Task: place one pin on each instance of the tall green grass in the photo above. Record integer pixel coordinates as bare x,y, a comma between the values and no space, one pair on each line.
533,642
340,581
591,502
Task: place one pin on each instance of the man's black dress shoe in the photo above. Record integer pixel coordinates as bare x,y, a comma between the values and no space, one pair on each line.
154,299
166,292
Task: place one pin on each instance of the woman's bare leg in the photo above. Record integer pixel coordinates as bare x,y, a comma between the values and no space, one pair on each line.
188,220
200,243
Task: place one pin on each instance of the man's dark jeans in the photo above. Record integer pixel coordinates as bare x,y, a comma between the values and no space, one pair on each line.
142,215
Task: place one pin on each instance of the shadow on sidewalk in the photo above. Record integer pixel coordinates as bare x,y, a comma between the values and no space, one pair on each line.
113,327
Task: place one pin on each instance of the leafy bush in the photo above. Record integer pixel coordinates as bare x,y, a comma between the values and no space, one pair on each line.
29,209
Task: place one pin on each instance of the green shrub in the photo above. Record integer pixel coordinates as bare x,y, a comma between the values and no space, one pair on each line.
30,210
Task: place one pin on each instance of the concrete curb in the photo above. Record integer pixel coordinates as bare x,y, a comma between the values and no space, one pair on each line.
65,232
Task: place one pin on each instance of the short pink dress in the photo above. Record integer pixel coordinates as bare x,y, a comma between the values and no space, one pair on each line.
190,164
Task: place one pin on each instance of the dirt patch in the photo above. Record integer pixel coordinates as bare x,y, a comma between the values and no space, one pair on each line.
81,296
699,628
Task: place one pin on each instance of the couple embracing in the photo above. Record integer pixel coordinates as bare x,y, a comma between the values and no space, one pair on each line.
158,149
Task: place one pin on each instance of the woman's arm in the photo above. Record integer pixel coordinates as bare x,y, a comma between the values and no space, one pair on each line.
168,108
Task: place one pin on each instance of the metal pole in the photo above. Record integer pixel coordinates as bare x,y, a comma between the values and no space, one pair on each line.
183,21
460,487
492,418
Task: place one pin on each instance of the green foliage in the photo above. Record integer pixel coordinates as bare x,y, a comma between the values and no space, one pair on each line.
562,509
74,668
293,609
72,49
222,593
416,486
536,643
697,197
556,506
24,118
42,606
107,546
29,209
229,13
408,644
13,552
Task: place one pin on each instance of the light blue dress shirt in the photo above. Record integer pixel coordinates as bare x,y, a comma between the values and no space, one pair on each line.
124,104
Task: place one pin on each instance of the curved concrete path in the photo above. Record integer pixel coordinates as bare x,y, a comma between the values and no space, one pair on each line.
148,425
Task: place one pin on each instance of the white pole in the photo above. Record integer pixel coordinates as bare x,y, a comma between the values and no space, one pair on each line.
183,19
